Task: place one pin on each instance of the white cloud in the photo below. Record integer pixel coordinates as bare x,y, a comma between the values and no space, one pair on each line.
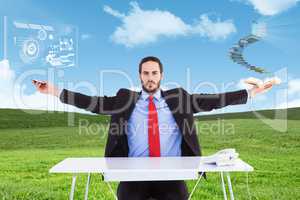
147,26
294,87
114,13
289,96
12,94
6,73
271,7
85,36
214,30
294,103
293,94
290,104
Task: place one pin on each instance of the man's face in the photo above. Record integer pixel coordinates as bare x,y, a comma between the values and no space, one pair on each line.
150,76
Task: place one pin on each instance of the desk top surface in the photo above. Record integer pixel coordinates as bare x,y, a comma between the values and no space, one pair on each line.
144,164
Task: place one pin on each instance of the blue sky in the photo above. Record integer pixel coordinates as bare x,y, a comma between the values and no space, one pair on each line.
193,36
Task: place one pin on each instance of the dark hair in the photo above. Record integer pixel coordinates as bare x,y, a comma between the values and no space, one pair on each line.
151,58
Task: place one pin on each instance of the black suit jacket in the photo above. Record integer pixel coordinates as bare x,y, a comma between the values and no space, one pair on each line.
182,105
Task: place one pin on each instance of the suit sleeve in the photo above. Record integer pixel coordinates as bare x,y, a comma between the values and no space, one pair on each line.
208,102
95,104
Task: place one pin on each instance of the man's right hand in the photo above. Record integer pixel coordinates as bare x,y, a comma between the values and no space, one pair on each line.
46,88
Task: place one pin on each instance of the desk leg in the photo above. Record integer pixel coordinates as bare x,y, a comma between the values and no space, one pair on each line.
73,187
230,186
112,191
223,186
190,196
109,186
87,187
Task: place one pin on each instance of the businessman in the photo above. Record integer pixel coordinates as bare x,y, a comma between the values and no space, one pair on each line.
152,122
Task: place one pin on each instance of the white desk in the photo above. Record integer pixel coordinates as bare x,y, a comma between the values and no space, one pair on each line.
146,169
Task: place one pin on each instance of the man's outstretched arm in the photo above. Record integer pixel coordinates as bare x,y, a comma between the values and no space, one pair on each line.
208,102
95,104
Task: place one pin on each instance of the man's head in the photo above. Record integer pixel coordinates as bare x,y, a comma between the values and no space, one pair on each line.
151,73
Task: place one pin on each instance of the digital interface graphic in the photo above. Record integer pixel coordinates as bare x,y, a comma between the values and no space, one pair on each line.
41,45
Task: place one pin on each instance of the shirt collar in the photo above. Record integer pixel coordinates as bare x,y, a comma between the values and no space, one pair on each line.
156,95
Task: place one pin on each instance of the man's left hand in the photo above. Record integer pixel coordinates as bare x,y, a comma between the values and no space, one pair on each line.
259,87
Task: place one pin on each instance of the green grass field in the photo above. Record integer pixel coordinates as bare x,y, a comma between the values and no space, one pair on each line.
30,144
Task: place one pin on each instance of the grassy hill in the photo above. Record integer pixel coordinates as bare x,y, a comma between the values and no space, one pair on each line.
13,118
32,142
291,114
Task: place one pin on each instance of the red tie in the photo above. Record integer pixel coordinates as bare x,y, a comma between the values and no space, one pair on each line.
153,131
